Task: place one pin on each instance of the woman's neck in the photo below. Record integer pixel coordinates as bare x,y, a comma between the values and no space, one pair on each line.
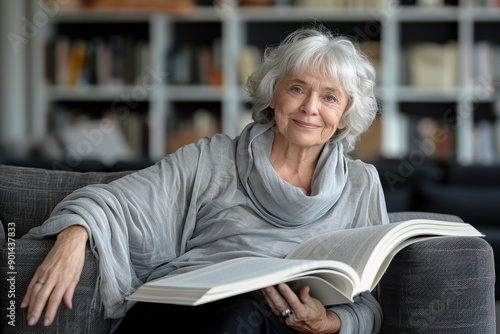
294,164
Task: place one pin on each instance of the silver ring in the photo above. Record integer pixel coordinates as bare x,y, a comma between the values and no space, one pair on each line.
286,313
40,282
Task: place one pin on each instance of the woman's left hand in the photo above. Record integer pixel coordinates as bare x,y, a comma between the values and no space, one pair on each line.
308,314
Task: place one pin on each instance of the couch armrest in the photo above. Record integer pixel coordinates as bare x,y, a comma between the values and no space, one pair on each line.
442,285
407,215
86,316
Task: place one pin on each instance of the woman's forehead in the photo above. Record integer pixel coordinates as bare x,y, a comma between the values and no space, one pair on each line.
323,80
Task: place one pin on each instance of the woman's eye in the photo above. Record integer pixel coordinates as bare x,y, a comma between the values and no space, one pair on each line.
296,90
331,98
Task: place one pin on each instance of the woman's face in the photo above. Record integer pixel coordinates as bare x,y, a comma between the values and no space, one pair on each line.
307,109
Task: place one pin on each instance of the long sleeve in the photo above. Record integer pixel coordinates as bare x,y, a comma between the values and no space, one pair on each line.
364,316
135,224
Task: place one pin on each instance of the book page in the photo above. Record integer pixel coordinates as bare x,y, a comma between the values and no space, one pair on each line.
242,275
335,259
324,291
368,250
235,271
353,246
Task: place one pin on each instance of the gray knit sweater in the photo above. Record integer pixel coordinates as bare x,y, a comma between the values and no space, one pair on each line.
214,200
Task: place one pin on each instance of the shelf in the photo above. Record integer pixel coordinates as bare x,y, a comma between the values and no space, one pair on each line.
428,94
96,93
217,14
162,32
486,14
485,94
193,93
280,14
428,14
76,15
82,14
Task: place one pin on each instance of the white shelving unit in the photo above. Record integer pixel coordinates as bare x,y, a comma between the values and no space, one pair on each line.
234,26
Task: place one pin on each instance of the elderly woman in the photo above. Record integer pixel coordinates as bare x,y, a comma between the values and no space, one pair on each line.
285,179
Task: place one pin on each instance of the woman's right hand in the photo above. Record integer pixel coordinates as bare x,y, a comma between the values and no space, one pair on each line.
56,278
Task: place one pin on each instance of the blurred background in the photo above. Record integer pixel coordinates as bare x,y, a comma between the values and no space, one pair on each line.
108,85
128,80
90,85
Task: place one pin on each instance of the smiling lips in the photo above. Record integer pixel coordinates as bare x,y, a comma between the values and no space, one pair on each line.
306,125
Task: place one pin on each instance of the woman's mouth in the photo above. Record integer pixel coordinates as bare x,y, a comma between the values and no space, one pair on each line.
306,125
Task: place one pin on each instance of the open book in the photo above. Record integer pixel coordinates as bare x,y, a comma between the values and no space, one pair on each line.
337,266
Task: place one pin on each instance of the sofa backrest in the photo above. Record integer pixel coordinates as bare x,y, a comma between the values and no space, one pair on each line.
28,195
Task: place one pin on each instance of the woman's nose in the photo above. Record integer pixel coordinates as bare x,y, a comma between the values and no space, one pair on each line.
310,104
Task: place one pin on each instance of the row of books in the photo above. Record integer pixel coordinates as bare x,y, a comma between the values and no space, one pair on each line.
369,3
250,57
487,142
486,3
486,65
436,139
112,137
432,138
339,3
184,130
183,5
196,64
476,3
169,5
90,137
174,5
124,61
437,65
430,65
201,122
117,60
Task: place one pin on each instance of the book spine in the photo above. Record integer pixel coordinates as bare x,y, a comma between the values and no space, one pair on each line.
97,61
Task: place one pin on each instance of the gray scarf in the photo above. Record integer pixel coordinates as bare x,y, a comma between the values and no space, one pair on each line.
280,203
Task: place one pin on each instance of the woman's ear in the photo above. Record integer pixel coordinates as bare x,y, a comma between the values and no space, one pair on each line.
272,103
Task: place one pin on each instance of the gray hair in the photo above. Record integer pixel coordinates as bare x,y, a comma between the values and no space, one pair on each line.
315,50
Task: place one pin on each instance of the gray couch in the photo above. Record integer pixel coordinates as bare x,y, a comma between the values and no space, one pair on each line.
453,295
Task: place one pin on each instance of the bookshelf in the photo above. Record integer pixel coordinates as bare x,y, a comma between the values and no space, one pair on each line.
172,104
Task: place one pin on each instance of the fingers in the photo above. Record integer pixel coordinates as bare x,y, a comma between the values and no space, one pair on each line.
68,296
308,314
280,298
47,296
272,295
52,299
29,291
35,298
55,280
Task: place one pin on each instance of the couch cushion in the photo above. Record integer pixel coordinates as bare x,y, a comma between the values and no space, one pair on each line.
28,195
395,217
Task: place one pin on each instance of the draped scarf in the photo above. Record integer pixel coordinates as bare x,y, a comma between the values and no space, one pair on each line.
278,202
